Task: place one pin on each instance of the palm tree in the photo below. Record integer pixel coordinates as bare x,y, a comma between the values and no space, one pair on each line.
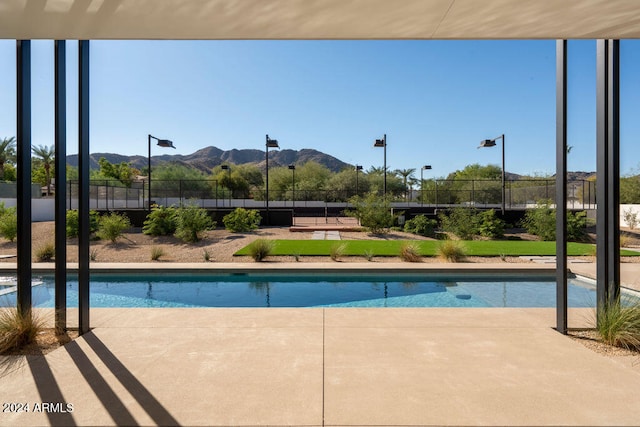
7,153
406,174
46,156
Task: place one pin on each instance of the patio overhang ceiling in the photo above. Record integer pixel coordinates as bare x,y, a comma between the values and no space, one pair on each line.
319,19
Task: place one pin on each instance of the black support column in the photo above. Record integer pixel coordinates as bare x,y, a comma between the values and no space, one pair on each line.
60,74
561,186
608,172
83,181
23,78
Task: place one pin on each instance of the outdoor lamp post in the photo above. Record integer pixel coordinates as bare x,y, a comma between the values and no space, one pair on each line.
422,169
228,169
273,143
293,184
161,143
383,143
492,143
358,168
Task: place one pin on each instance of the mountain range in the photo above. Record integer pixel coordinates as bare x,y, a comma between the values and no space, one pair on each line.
207,158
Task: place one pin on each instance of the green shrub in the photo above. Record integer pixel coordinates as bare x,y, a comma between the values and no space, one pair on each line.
161,221
73,222
260,249
451,251
17,329
206,255
372,211
619,324
421,225
156,253
410,252
337,250
541,221
460,221
489,225
631,218
191,221
9,223
112,226
45,253
241,220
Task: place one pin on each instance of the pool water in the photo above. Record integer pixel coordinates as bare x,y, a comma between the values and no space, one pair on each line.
312,291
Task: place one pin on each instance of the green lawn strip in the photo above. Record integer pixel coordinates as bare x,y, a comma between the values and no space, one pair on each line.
427,248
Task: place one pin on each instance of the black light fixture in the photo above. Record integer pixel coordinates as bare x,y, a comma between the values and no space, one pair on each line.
358,168
382,143
271,143
492,143
422,169
292,168
161,143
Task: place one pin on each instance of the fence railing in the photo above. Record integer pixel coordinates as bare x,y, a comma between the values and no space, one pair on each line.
111,194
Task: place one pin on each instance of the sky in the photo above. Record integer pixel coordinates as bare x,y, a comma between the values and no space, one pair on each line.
434,100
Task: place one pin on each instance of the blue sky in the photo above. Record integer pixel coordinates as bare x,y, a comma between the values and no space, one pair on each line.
435,100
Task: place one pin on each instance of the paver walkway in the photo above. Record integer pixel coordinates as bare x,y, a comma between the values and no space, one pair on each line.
326,235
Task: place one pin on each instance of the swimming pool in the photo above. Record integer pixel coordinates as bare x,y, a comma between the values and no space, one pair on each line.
312,291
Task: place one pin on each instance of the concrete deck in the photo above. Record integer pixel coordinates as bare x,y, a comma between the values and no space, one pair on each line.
312,367
334,367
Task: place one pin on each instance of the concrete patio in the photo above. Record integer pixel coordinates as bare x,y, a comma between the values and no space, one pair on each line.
334,367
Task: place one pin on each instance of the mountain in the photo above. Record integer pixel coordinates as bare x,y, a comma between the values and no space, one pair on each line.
207,158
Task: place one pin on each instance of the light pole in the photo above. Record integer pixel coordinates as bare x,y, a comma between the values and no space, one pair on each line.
161,143
293,184
273,143
228,169
383,143
492,143
358,168
422,169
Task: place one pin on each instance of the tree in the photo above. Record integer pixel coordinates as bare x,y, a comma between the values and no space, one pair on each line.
45,155
122,172
406,175
7,153
373,212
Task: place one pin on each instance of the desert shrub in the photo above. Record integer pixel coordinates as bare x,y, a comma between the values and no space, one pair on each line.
93,254
368,254
576,226
241,220
336,251
541,221
156,253
260,249
112,226
410,252
206,255
17,329
421,225
372,211
45,252
625,240
73,222
618,323
489,225
161,221
460,221
191,221
451,251
631,218
8,223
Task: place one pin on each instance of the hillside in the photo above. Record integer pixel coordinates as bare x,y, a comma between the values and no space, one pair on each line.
207,158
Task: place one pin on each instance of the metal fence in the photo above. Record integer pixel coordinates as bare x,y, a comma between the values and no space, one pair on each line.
111,194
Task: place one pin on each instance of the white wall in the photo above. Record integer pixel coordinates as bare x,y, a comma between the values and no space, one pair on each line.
41,209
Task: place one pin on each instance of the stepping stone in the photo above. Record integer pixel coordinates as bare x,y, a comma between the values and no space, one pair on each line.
318,235
332,235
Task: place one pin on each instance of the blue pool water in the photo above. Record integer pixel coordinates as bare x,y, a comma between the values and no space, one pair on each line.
312,291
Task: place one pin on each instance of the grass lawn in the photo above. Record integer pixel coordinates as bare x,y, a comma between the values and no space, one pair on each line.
427,248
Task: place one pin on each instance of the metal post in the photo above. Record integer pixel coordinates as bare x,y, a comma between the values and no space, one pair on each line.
561,186
421,186
83,175
149,172
23,152
503,173
608,173
266,160
385,165
61,178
